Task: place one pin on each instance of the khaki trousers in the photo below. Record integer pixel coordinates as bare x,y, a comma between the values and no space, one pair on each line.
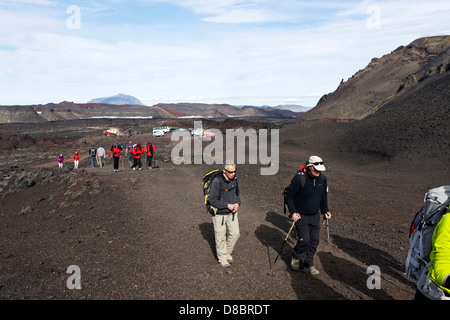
100,161
226,230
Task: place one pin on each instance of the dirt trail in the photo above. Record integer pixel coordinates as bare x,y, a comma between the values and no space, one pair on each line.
145,234
67,161
157,242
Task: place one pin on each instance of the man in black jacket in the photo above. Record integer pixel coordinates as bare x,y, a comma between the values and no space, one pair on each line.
224,197
306,196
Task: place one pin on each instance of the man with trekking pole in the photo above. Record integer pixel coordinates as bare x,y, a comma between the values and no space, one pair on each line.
306,197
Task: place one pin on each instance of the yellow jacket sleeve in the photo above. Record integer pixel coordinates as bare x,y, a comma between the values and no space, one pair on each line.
440,254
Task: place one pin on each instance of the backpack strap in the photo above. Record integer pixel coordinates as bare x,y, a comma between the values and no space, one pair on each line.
302,175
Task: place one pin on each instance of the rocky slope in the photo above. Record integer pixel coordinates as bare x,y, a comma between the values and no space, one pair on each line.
18,114
413,126
385,79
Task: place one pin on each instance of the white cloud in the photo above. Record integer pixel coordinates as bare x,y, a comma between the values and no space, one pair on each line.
42,61
243,11
37,2
14,21
245,16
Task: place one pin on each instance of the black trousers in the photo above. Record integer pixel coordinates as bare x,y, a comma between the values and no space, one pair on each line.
116,163
149,161
137,163
308,235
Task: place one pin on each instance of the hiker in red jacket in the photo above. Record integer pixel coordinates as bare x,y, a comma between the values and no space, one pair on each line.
137,152
76,159
149,152
115,151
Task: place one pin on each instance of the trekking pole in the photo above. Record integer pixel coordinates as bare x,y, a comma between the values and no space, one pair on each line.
325,222
284,242
328,231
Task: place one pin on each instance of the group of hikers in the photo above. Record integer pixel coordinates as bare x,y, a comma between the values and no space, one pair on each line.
75,157
134,154
97,156
307,198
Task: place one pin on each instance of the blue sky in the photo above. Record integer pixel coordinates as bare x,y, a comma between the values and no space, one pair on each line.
242,52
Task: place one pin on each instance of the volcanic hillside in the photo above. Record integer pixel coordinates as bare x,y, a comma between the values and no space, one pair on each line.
413,127
386,79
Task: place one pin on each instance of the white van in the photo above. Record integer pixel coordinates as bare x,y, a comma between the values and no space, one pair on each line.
164,129
158,132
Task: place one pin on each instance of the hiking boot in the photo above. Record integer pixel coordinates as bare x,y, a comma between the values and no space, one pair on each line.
295,264
312,271
224,263
229,258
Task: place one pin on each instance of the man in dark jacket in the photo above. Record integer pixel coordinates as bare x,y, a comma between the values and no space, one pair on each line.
224,197
306,196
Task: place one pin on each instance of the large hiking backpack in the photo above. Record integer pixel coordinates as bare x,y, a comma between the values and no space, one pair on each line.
435,206
436,203
301,175
207,179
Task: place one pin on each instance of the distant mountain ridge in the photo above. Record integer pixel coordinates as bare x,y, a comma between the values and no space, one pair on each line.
226,110
291,107
71,111
119,99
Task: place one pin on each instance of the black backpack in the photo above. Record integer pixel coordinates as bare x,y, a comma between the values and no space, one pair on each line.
301,176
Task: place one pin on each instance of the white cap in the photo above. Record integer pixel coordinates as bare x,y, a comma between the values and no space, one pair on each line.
316,162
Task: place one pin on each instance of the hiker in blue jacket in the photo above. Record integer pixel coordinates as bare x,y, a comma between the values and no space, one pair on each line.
306,196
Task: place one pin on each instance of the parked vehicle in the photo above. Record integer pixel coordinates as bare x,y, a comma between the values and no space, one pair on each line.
201,133
158,133
110,132
164,129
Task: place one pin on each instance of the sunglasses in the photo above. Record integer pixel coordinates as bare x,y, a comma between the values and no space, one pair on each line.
317,163
230,171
